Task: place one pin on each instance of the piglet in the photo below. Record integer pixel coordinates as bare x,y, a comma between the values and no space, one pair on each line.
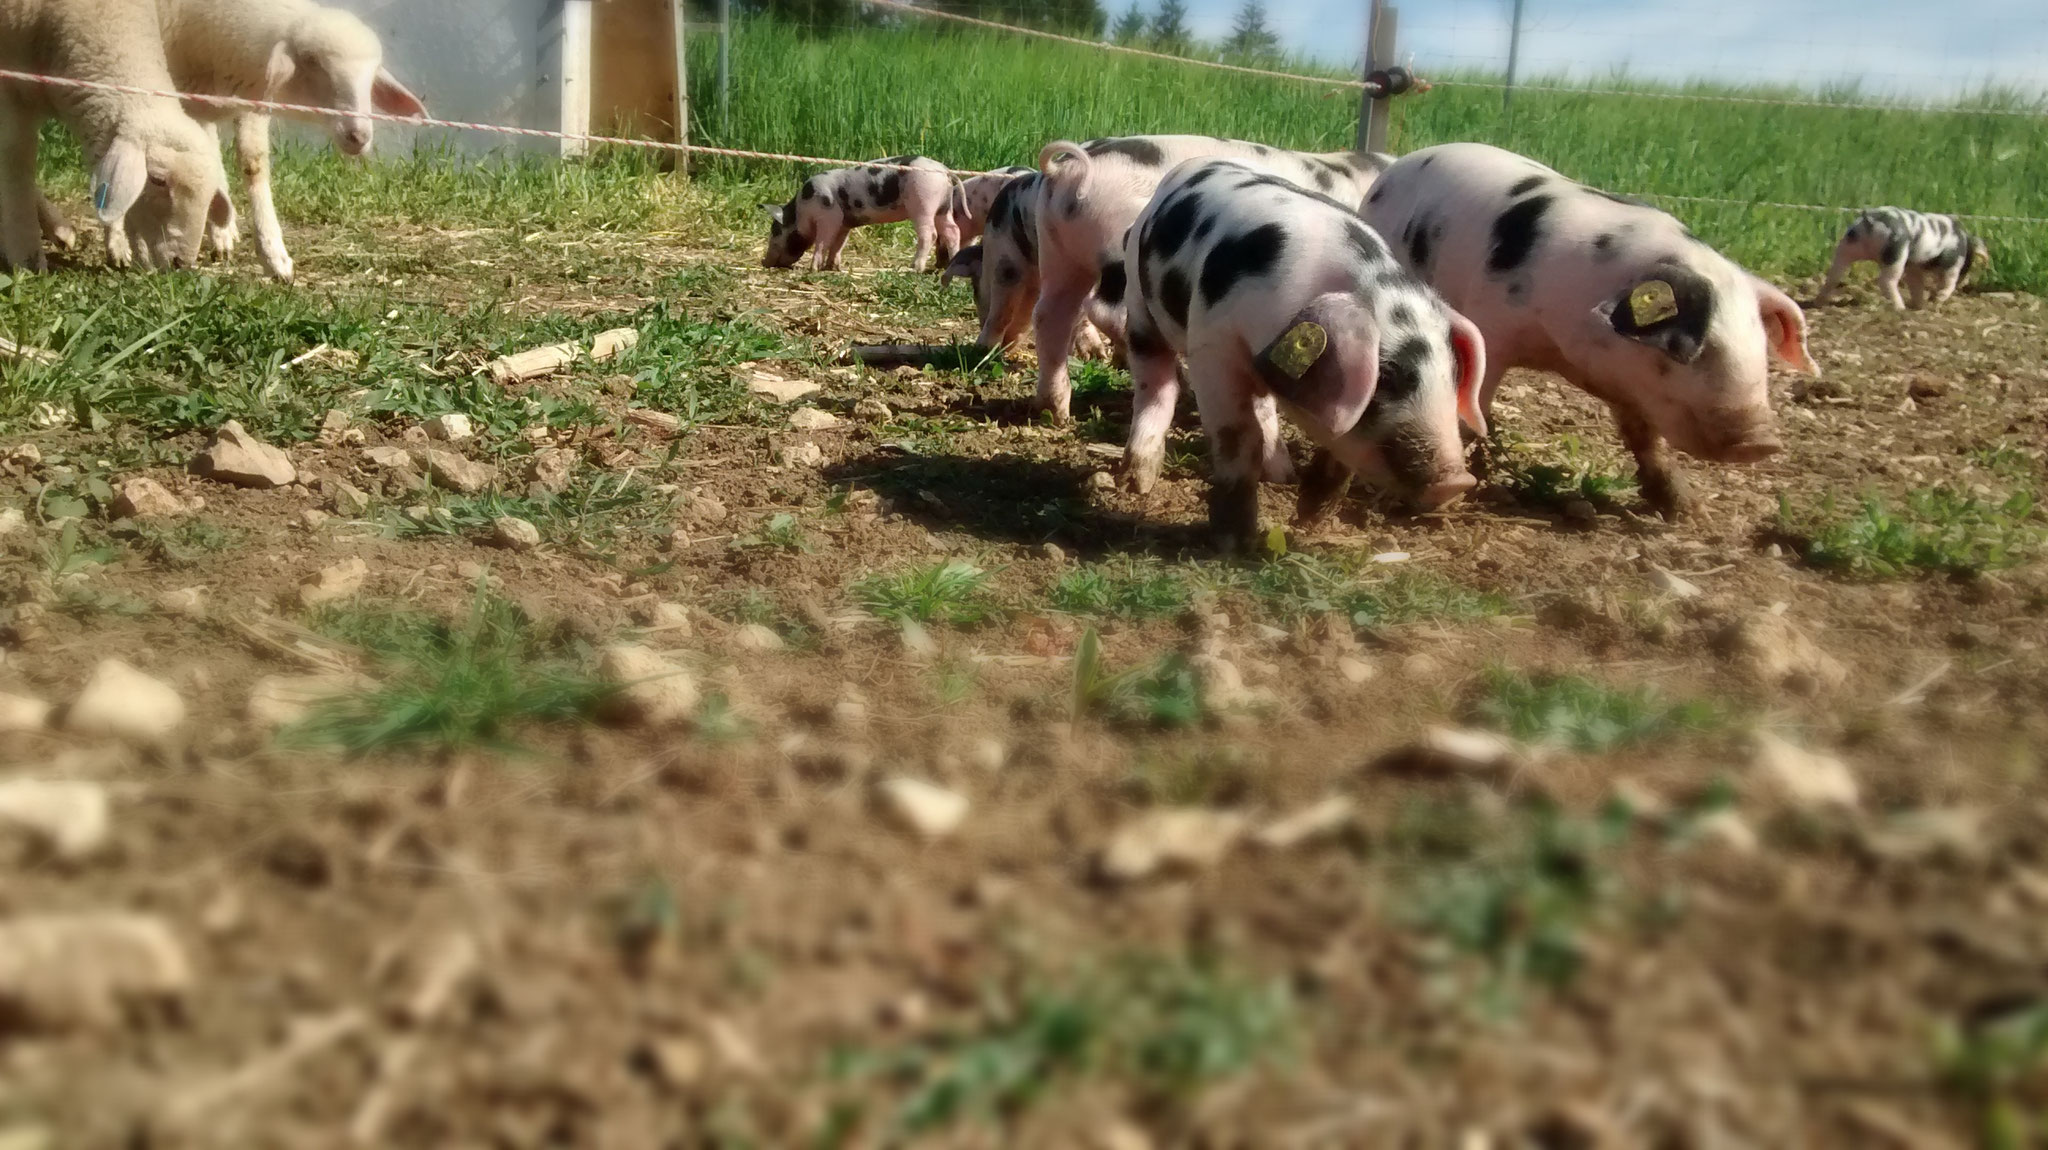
973,196
1279,296
1003,271
1915,246
1614,295
830,205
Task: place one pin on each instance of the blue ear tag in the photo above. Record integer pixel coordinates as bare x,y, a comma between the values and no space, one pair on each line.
99,199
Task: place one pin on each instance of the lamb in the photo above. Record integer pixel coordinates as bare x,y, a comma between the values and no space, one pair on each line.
289,51
145,151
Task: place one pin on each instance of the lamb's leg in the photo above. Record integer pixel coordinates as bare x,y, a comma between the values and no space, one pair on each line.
252,145
220,237
1657,474
57,231
21,241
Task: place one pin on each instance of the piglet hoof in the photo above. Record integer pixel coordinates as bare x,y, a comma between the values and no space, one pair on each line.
1668,496
1234,515
1323,483
1061,414
1137,478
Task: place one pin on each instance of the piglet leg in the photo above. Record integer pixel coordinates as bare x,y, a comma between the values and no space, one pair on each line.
1155,386
1657,474
1323,483
1837,272
1237,451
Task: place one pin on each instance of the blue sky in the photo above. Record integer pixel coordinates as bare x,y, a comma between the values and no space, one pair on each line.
1895,47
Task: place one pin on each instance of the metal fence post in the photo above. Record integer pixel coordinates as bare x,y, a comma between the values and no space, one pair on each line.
1376,108
1507,92
725,71
679,17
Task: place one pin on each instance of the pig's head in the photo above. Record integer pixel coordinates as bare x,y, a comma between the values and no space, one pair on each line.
331,59
1392,396
163,177
1693,357
788,239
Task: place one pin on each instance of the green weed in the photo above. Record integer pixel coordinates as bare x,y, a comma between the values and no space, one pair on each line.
1998,1067
1569,711
954,592
1301,585
1163,693
1124,588
779,531
1938,530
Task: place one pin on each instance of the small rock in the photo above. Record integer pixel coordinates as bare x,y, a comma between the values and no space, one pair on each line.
1726,828
756,637
1445,749
454,472
704,511
68,818
812,419
676,1063
346,499
1051,552
238,458
22,713
514,533
1170,840
448,964
189,602
1641,801
653,692
12,520
312,518
1927,387
672,619
1807,778
769,385
1222,684
1117,1134
59,971
1101,481
281,700
451,428
1391,557
917,640
146,499
921,808
1778,654
1956,832
1319,821
1355,670
850,710
804,454
659,422
873,410
122,702
389,458
1580,511
333,583
333,426
549,469
1668,584
989,754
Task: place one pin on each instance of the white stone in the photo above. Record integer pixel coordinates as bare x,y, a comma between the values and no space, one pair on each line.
989,754
653,691
68,817
81,969
453,427
334,583
1308,824
145,498
659,422
1807,778
812,419
805,454
187,601
12,520
122,702
514,533
1726,828
1676,587
452,471
756,637
1170,840
932,812
1355,670
770,385
1469,750
22,713
238,458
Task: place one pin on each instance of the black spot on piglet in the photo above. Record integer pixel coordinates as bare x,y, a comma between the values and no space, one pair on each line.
1526,184
1135,148
1110,288
1170,228
1173,295
1515,233
1242,257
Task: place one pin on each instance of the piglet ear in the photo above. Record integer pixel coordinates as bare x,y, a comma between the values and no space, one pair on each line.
1669,310
280,70
1468,351
392,98
966,264
1325,361
119,179
1784,327
775,213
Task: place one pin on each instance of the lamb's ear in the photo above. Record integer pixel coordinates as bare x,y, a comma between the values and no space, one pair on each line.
118,181
280,71
1325,362
392,98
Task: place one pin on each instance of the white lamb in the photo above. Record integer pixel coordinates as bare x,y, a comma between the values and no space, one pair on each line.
143,150
289,51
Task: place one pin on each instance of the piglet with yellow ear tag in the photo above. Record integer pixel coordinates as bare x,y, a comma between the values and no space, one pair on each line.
1285,303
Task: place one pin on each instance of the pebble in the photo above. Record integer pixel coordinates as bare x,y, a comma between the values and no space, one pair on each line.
989,754
189,602
1807,778
873,410
454,472
312,518
238,458
12,520
1954,832
677,1063
389,458
1322,820
549,469
68,817
333,426
1170,841
514,533
1462,749
281,700
122,702
1675,586
659,422
812,419
1778,654
1051,553
1355,670
346,499
782,390
704,511
653,691
756,637
921,808
23,713
451,428
1726,828
804,454
334,583
146,499
1101,481
67,970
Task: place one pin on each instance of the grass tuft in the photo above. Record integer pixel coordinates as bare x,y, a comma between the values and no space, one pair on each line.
1124,588
1569,711
1302,585
1938,530
955,592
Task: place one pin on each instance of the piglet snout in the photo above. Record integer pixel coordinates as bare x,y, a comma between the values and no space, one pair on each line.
1752,450
1445,491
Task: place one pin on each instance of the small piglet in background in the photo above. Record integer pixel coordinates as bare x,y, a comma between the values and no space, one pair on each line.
1275,293
972,197
1916,246
831,204
1614,295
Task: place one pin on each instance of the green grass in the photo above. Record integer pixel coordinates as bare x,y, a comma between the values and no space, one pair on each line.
779,532
1934,530
596,514
1552,484
1161,694
1997,1067
1165,1024
473,682
1123,588
1303,585
1582,715
954,592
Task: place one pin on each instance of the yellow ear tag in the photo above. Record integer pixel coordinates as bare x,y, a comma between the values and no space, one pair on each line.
1298,350
1652,301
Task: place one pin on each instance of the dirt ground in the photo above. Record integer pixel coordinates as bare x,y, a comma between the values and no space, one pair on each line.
713,934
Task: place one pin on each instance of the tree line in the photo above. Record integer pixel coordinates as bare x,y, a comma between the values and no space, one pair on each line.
1162,29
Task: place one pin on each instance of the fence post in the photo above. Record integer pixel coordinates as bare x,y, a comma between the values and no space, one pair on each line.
575,76
725,71
1376,108
679,17
1507,92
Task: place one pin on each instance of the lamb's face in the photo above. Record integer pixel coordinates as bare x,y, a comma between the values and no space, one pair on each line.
184,189
332,59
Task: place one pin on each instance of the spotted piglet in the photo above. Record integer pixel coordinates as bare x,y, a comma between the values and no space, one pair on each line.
1003,271
1915,246
830,205
1279,296
973,196
1610,293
